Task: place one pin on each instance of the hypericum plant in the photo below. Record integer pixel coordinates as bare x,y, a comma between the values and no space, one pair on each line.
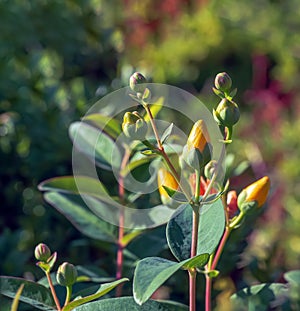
202,211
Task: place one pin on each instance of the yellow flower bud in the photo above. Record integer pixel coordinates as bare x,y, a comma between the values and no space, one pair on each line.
198,137
196,152
165,178
256,192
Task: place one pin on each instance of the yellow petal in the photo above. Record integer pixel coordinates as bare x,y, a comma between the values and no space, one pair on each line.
165,178
258,191
199,136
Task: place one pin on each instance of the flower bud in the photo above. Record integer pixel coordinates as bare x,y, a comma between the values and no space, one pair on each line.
42,252
134,126
165,178
227,113
66,274
255,195
232,206
211,168
137,82
196,152
223,82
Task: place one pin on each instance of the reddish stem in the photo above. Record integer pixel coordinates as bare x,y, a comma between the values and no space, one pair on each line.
121,222
53,292
208,293
192,287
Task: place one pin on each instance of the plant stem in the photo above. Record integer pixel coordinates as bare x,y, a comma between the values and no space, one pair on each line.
195,229
163,153
53,291
121,221
208,282
69,294
192,287
148,110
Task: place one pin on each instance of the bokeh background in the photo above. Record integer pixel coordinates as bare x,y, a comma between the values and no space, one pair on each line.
58,57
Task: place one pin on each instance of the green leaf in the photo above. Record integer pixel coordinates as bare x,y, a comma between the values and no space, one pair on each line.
218,93
152,272
211,228
95,144
103,289
175,195
259,297
293,277
128,303
75,210
110,125
166,134
34,294
69,184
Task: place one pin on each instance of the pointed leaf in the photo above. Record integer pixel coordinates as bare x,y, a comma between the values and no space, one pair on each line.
110,125
128,303
95,144
103,289
166,134
260,297
211,228
175,195
152,272
69,184
34,294
75,210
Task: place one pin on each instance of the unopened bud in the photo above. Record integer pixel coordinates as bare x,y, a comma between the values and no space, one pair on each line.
223,82
232,206
211,168
42,252
255,195
66,274
227,113
134,126
196,152
165,178
137,82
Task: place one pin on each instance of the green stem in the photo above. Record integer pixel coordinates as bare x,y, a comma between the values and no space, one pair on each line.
53,291
69,294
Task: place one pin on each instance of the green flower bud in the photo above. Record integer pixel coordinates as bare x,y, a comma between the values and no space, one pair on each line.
211,168
42,252
137,82
227,113
223,82
66,274
134,126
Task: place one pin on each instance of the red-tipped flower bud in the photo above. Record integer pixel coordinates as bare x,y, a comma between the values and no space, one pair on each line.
232,206
137,82
223,82
255,195
165,178
227,113
66,274
134,126
196,152
42,252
